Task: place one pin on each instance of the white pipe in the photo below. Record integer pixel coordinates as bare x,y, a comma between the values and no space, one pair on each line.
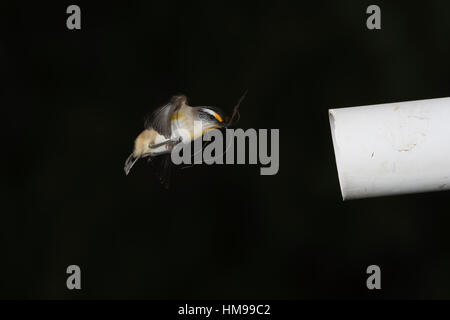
393,148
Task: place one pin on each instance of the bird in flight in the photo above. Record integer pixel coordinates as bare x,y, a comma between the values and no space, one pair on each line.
163,131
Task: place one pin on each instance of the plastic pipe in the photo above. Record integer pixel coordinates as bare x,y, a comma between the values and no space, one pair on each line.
391,149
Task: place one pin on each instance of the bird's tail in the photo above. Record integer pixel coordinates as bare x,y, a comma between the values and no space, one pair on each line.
129,163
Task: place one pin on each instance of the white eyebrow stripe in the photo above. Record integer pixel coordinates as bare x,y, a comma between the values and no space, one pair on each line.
213,113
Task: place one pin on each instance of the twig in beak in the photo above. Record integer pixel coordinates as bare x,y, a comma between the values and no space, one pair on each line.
235,110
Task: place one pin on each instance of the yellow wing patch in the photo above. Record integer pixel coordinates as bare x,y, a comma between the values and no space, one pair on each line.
176,116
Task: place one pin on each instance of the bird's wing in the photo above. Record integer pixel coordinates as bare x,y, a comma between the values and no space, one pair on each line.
160,119
163,168
166,169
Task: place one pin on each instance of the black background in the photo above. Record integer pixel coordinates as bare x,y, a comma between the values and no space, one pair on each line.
72,103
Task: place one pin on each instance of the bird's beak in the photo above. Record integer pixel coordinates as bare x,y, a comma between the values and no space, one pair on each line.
129,163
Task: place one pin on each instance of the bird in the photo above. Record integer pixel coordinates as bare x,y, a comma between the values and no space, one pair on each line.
163,131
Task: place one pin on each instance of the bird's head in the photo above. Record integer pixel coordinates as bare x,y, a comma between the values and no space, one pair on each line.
211,118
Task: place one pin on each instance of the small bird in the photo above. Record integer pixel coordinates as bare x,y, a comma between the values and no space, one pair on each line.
163,128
